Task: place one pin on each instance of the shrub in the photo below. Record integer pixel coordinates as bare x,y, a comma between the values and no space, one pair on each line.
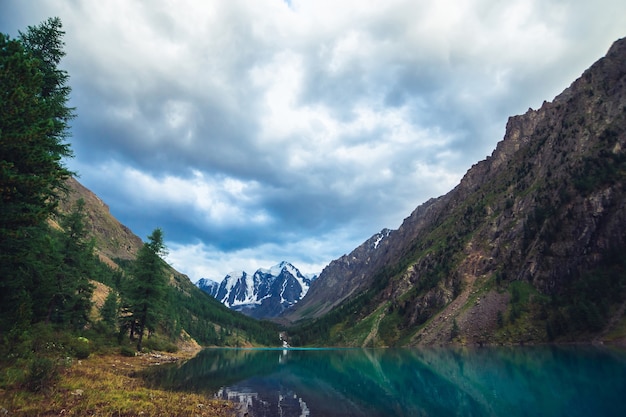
127,351
160,344
80,348
43,374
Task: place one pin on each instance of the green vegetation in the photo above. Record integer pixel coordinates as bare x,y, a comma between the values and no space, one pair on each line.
49,268
34,123
435,256
145,291
520,297
586,304
104,385
348,314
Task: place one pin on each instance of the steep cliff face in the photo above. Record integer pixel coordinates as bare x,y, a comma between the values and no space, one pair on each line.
343,278
527,248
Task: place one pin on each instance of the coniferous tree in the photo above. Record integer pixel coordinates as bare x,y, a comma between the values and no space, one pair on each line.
58,272
108,312
45,43
33,127
148,287
73,299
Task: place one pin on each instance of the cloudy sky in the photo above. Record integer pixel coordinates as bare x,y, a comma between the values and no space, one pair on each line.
255,131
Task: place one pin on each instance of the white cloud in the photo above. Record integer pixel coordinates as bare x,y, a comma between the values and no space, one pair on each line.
200,260
212,200
274,130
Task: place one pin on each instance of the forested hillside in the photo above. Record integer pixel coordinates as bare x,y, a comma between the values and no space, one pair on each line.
188,308
61,250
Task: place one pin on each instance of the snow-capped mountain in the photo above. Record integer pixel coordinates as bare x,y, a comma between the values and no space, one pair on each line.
266,293
208,286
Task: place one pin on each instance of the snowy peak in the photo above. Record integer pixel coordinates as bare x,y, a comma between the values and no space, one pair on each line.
236,289
285,271
266,293
208,286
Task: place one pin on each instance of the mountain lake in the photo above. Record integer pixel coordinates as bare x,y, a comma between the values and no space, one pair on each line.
482,381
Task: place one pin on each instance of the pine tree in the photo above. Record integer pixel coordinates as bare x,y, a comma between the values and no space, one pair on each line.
148,287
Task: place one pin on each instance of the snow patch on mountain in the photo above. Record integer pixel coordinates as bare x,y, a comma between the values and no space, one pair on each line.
208,286
380,236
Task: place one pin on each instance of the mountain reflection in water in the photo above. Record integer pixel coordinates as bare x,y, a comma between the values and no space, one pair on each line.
516,381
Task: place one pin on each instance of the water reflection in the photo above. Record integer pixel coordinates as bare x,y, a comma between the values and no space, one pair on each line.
407,382
271,401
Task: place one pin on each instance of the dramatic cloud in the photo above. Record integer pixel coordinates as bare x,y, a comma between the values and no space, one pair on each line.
259,131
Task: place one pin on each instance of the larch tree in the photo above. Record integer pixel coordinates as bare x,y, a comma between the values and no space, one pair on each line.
72,297
148,287
34,125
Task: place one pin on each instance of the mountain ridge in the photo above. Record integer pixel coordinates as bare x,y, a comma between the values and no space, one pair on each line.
264,294
501,257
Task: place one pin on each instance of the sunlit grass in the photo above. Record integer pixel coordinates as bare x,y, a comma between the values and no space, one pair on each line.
105,386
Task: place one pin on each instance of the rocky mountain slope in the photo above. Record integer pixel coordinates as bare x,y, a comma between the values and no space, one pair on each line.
113,239
343,278
265,294
529,247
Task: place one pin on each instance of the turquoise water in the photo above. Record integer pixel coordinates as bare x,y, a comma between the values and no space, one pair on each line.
515,381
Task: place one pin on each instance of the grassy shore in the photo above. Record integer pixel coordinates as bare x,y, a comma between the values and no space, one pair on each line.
104,385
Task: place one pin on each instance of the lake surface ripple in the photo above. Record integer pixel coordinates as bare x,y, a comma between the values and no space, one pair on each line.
503,381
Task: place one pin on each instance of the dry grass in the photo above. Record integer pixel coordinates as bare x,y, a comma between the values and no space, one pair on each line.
99,295
105,386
